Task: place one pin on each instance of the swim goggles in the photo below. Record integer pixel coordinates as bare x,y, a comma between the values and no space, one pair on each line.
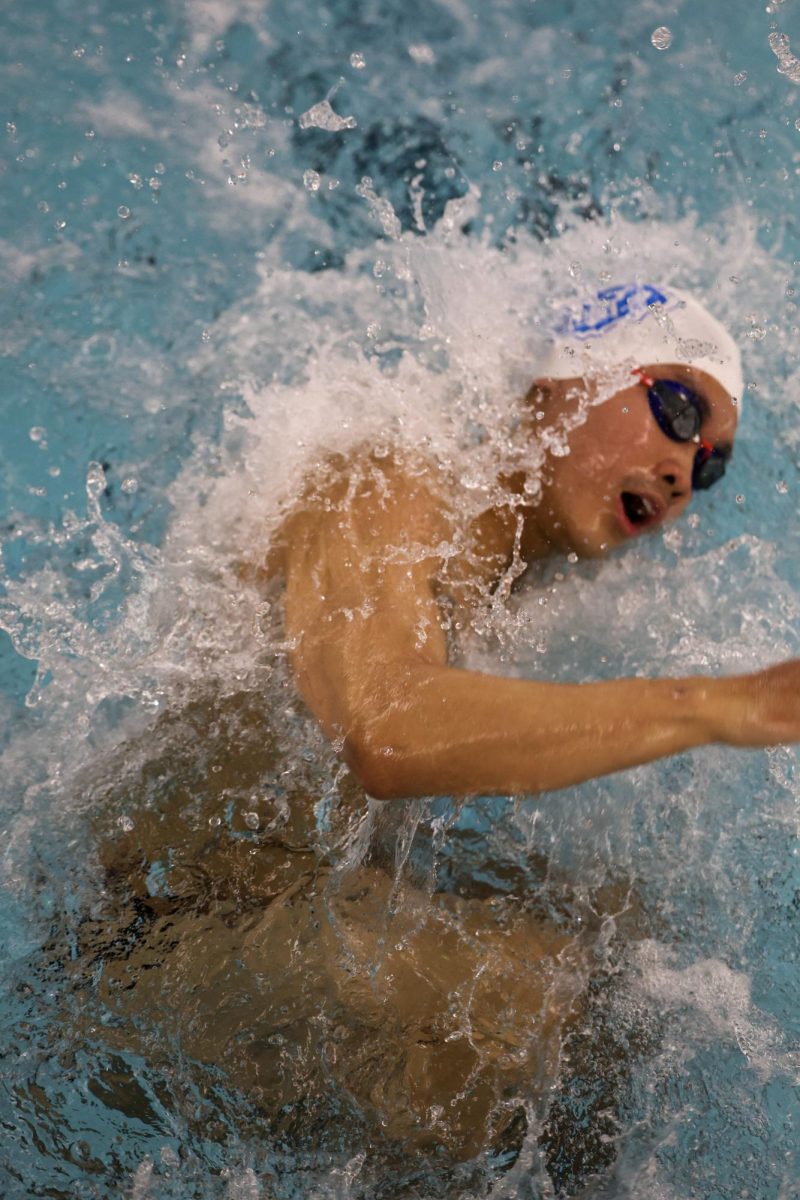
679,414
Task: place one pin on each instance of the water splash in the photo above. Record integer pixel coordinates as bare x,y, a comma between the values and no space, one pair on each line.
788,63
126,636
322,116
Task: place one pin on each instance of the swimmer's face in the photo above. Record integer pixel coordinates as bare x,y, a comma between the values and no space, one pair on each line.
623,476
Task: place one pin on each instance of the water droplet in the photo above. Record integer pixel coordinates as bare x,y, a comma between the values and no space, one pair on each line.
739,79
95,480
661,38
740,499
251,820
797,123
159,168
373,330
357,60
60,224
497,165
123,211
782,487
11,129
312,180
206,335
575,270
125,823
422,53
37,433
130,485
322,116
154,183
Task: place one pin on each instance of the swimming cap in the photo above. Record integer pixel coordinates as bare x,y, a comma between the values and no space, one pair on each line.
642,323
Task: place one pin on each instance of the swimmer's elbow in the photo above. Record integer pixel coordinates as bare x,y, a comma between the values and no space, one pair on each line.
389,745
378,768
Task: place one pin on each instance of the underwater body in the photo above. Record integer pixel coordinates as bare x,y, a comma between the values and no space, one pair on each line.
237,237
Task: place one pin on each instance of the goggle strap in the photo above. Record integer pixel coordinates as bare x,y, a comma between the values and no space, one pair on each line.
646,379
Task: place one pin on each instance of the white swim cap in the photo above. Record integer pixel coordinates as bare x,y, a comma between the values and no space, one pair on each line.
641,323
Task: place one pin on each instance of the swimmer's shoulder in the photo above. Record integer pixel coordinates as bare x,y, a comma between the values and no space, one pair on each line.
387,496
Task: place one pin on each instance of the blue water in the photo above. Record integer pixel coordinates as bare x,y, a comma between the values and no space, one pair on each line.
178,248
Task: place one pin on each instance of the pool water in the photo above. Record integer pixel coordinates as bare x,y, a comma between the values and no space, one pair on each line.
235,235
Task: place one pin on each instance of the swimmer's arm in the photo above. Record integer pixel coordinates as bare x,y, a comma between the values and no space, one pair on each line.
370,658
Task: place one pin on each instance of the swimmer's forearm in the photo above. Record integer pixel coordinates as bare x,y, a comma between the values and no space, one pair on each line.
443,730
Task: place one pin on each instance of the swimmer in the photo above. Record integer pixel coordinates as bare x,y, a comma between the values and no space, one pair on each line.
370,649
261,955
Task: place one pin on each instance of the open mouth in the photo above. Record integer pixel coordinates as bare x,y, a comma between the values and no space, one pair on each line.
639,511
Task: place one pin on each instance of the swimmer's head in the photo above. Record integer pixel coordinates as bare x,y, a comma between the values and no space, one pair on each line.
632,463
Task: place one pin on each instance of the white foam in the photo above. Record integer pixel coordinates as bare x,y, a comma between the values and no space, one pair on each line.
118,114
720,1003
209,20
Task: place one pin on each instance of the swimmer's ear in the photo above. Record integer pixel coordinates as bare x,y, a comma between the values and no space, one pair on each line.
544,391
540,390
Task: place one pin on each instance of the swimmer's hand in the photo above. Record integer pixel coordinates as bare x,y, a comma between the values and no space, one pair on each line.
757,710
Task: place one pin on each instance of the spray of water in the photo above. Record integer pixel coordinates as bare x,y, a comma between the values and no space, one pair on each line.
194,757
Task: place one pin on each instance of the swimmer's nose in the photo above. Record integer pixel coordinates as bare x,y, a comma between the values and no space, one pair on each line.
676,475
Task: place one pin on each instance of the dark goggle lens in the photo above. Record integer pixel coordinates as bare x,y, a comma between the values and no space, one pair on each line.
675,409
679,415
708,468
